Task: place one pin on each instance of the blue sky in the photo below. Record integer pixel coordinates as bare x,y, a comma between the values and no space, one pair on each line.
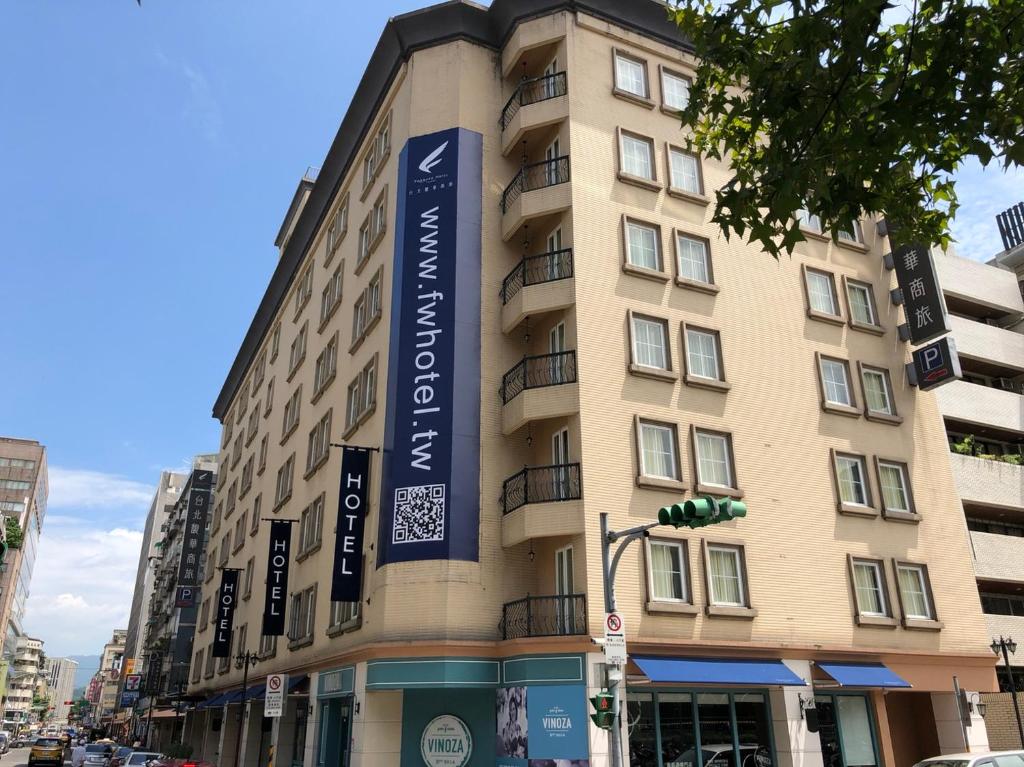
147,156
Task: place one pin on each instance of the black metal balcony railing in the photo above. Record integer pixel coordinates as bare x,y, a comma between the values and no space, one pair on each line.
541,484
562,615
531,91
1010,223
536,176
533,270
537,372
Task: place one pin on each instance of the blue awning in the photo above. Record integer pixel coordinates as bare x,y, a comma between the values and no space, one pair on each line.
256,691
216,700
260,691
717,671
862,675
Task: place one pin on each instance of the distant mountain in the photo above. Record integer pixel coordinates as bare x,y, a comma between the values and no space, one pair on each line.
87,666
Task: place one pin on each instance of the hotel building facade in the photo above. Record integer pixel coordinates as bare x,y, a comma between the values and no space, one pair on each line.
505,278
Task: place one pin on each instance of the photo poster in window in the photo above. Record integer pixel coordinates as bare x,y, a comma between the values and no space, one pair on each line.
347,576
542,726
278,556
430,470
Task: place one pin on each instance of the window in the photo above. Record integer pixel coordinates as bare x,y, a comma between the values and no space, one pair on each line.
895,488
359,318
643,245
650,342
354,404
285,474
304,289
319,444
208,668
232,498
373,296
291,413
14,507
713,452
821,293
298,350
204,613
264,447
877,391
270,398
366,311
631,75
862,304
684,171
851,478
835,382
197,665
370,385
693,259
250,568
363,250
243,401
667,578
637,156
326,367
17,463
241,527
330,299
725,576
229,429
659,450
247,472
703,354
225,549
675,90
310,525
236,454
377,153
869,588
259,370
853,234
809,220
253,425
915,591
257,508
14,484
268,645
343,613
275,342
337,229
379,216
303,614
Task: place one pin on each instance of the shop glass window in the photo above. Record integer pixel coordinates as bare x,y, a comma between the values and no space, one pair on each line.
643,739
847,739
715,730
753,726
675,720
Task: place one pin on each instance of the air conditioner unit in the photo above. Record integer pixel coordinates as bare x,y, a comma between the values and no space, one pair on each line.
1007,384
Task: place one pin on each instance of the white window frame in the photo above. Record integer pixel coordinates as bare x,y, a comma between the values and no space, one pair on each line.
689,333
725,440
631,224
674,179
626,157
641,66
904,486
883,375
921,572
854,286
661,427
832,364
683,574
861,462
737,555
665,349
879,585
680,237
833,300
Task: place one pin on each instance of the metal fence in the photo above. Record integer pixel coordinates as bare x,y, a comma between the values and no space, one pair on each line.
541,484
536,176
531,91
561,615
538,371
533,270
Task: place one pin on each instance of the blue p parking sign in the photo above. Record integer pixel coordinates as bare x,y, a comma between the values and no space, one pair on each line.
935,364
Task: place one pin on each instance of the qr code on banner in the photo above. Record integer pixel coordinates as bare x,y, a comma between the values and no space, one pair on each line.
419,514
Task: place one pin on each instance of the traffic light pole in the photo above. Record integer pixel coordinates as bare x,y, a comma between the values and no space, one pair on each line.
609,564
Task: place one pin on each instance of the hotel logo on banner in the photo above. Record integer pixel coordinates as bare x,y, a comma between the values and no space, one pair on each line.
430,471
922,296
227,597
347,579
278,556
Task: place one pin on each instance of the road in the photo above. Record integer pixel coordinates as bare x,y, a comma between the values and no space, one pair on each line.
18,757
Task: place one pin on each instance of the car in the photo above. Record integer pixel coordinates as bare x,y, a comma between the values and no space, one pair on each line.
981,759
20,741
120,755
46,751
140,758
721,755
98,754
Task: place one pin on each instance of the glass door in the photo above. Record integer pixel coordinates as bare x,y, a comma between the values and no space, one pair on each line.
551,167
549,80
559,462
846,731
554,244
556,345
564,609
335,734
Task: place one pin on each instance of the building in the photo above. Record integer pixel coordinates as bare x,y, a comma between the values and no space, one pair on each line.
109,678
24,487
23,684
505,277
984,419
168,624
167,493
60,677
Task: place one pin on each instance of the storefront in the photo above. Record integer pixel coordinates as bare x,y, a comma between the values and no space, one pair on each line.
334,704
846,729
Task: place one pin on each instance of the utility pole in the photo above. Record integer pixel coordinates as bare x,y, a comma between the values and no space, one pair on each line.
243,659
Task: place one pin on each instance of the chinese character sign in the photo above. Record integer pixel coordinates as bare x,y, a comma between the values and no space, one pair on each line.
196,510
922,296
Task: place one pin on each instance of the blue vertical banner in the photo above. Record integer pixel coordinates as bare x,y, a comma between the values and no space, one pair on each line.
430,477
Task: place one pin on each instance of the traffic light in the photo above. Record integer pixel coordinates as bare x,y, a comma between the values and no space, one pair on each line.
604,710
701,511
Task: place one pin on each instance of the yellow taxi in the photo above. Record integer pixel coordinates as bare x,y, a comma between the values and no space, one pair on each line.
46,751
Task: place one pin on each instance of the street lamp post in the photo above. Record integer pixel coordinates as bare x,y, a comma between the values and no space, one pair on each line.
1006,647
243,659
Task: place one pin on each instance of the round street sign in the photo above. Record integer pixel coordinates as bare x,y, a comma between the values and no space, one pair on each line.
274,682
614,622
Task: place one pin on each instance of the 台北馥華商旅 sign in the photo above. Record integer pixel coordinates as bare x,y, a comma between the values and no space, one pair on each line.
429,502
446,742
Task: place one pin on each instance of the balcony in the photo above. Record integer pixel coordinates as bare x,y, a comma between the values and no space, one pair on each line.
536,103
994,410
978,290
541,502
538,189
549,616
985,482
536,285
997,351
527,391
998,557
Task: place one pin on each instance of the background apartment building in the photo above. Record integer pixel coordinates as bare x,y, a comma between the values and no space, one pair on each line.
984,419
23,683
60,679
505,276
108,679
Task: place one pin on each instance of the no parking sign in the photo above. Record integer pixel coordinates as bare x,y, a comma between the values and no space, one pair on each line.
273,704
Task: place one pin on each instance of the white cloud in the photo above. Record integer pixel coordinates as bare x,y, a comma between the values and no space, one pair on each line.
983,193
82,587
83,489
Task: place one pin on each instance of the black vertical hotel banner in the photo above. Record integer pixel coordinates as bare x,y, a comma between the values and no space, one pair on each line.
277,578
226,600
347,581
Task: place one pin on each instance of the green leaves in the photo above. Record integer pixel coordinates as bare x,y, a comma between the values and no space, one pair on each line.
851,107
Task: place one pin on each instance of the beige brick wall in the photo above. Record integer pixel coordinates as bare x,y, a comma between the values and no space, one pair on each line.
979,282
992,483
984,405
1001,723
